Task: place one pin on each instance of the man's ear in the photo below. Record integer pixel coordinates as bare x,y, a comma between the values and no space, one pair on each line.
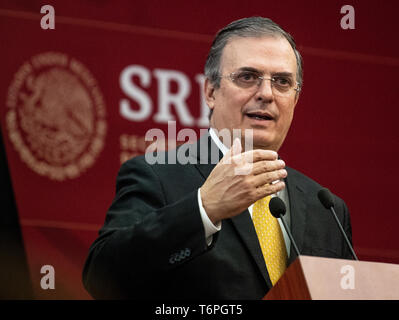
209,93
296,98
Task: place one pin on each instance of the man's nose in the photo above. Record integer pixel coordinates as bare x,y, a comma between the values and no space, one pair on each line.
265,91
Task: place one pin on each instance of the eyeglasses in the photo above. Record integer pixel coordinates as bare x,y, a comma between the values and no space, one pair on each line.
281,85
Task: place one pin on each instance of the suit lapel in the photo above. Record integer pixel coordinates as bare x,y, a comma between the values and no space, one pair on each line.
297,214
206,151
206,154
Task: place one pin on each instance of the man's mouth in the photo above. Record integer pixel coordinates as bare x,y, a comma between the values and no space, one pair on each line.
259,116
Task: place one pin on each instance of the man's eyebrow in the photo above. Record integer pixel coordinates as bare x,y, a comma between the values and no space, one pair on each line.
250,69
278,74
282,74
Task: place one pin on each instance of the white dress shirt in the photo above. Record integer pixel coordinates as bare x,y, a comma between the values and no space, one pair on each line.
211,229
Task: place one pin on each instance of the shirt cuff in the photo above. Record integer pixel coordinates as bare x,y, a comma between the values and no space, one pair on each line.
209,227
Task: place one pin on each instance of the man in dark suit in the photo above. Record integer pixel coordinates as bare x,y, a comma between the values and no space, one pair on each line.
198,230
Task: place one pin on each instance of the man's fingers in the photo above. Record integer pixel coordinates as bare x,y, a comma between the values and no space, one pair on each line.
254,162
267,166
251,156
269,189
259,155
269,177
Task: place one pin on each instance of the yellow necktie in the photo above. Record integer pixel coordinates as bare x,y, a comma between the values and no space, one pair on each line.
270,238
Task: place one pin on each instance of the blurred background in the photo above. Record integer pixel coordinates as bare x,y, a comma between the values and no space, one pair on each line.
77,100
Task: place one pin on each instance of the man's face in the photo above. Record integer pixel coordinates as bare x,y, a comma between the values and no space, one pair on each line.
258,108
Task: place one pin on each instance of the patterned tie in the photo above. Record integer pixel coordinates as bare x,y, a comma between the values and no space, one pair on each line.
270,238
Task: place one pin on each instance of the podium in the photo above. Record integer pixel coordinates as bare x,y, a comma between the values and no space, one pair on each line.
315,278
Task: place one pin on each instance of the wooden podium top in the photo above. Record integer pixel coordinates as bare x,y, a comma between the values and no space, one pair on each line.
315,278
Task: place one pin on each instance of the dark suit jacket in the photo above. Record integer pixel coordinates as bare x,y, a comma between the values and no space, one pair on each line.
153,245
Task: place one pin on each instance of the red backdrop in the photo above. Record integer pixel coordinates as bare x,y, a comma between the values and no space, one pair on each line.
344,133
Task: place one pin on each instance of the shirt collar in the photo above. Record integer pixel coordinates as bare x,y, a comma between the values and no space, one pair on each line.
217,141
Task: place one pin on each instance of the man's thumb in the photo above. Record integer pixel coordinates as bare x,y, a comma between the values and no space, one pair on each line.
236,147
234,150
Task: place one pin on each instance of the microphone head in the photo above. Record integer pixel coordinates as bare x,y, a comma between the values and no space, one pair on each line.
326,198
277,207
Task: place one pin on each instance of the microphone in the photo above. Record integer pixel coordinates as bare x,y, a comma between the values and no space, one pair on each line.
278,209
327,201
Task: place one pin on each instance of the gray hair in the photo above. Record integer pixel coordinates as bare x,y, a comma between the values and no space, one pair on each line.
246,27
